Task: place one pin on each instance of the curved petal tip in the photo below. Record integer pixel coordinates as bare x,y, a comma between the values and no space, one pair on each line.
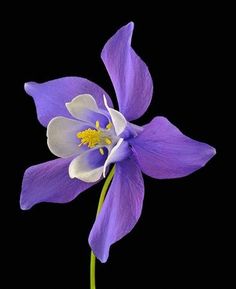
23,206
130,25
28,86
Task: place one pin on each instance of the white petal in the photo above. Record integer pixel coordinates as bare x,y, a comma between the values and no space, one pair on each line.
119,152
85,167
84,107
62,140
117,118
80,104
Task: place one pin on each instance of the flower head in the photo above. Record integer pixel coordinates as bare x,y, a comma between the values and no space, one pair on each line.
88,135
91,137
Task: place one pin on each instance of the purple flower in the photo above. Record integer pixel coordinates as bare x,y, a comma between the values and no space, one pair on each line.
88,135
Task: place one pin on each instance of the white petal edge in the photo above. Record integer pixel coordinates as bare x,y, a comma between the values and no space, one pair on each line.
79,169
61,134
81,102
117,118
111,155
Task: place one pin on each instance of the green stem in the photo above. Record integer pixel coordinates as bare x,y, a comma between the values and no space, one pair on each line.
100,203
92,271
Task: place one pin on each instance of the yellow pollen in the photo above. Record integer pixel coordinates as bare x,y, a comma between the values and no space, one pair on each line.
90,137
109,125
101,151
97,124
107,141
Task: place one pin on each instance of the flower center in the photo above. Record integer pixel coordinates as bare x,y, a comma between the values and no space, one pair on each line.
94,137
90,137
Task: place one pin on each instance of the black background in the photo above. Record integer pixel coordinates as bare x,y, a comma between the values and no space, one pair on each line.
183,237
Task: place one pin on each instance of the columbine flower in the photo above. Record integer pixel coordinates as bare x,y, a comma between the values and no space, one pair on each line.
89,135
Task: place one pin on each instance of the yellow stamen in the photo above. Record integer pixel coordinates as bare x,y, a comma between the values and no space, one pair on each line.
90,137
109,125
107,141
97,124
101,151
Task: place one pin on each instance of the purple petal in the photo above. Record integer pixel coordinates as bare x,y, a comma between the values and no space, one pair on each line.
131,131
50,182
129,74
50,97
121,209
163,152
